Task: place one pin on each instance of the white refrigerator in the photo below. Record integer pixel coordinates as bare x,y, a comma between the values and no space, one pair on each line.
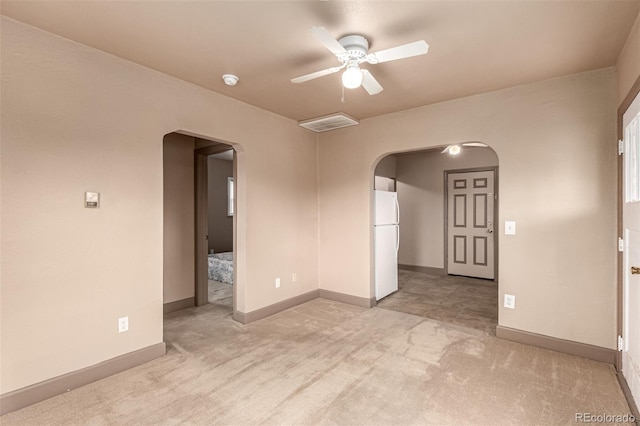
386,242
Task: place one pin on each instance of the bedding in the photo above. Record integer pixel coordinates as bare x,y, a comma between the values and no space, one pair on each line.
221,267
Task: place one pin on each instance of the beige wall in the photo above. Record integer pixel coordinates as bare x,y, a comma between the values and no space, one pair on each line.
555,141
75,119
386,167
420,186
628,65
220,225
178,206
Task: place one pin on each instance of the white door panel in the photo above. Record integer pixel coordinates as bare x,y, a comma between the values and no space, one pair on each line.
631,226
470,216
631,352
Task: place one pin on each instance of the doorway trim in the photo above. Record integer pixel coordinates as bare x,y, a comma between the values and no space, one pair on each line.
626,103
496,188
201,220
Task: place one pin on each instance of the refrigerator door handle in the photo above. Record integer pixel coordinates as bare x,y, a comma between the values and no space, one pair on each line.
397,240
397,209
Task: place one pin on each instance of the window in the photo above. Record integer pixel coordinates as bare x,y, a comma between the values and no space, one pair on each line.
230,197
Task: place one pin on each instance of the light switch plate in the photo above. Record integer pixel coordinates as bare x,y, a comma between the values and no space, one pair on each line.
92,200
509,228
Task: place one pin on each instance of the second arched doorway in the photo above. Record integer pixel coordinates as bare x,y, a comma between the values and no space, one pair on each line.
440,226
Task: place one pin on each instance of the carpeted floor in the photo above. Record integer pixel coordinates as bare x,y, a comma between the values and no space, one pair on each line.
328,363
469,302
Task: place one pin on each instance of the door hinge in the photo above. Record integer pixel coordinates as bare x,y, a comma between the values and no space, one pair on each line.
620,244
620,344
620,147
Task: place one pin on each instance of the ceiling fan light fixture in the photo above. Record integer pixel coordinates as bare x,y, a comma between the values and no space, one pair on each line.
230,79
352,77
454,149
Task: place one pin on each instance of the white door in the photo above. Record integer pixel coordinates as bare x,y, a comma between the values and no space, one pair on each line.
470,237
631,263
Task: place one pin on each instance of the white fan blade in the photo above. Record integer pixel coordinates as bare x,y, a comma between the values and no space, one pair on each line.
316,74
370,84
325,37
399,52
480,144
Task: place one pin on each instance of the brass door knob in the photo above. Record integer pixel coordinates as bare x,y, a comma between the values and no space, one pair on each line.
635,270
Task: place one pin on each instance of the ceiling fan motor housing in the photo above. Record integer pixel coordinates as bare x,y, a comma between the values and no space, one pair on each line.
356,48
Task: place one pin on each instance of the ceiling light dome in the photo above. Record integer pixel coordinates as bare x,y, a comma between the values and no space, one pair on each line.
230,79
454,149
352,77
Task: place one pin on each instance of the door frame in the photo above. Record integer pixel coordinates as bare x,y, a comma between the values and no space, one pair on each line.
626,103
201,228
496,181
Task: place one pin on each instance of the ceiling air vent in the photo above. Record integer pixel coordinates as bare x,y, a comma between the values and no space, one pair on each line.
328,122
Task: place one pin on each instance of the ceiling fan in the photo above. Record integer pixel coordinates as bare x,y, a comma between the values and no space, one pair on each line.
455,149
353,50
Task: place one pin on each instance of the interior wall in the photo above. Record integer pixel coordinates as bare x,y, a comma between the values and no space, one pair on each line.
386,167
76,119
385,174
420,186
220,224
555,141
628,64
178,224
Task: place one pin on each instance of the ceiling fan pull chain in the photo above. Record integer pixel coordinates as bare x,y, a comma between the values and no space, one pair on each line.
342,99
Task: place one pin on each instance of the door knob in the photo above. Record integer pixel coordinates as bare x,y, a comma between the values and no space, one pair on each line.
490,231
635,270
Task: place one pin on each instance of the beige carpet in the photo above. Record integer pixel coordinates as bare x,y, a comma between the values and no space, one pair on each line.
329,363
470,302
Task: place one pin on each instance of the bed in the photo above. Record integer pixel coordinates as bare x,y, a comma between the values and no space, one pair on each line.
221,267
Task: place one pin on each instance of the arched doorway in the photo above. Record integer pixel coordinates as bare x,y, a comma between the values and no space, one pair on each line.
200,211
426,286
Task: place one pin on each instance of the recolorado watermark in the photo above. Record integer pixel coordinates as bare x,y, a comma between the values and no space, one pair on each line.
604,418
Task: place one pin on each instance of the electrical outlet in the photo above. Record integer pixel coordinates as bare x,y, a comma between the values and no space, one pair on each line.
294,277
123,324
277,282
509,301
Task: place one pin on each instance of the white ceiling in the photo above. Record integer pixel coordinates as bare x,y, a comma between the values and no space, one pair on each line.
475,46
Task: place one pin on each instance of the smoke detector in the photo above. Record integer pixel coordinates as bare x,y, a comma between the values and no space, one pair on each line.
230,79
328,122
